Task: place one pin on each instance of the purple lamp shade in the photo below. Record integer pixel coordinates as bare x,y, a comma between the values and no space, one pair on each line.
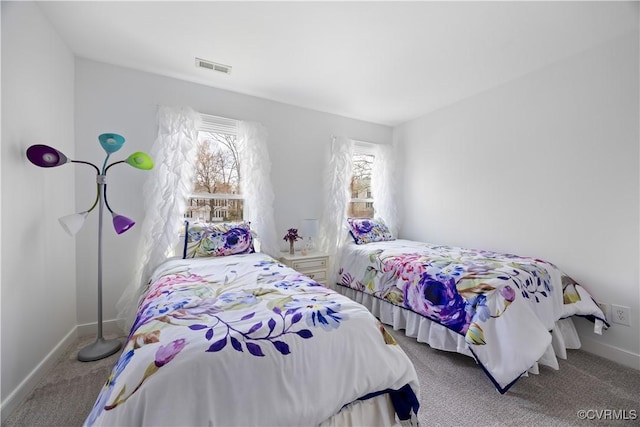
121,223
45,156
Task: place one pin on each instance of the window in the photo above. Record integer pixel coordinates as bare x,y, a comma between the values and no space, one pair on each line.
361,203
216,195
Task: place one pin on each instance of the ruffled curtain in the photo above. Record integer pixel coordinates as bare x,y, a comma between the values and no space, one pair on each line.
333,221
165,195
255,180
384,187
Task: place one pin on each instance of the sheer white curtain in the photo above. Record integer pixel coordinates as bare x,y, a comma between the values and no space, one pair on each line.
165,195
384,186
255,180
333,224
333,221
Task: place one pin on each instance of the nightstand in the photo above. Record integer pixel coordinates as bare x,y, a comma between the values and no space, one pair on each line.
313,265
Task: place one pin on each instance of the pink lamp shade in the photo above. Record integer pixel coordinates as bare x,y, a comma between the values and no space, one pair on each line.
45,156
73,223
121,223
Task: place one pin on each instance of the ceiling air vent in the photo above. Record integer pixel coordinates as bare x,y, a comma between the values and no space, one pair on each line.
213,66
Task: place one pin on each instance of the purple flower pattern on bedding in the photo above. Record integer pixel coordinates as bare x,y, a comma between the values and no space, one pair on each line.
458,288
363,226
166,353
229,319
439,300
365,230
503,305
217,240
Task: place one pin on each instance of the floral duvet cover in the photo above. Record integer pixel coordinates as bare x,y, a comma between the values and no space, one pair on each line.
504,305
243,340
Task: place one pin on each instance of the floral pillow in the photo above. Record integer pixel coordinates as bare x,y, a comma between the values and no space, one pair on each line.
208,240
366,230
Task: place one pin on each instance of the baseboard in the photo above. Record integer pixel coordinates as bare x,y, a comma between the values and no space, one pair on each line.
39,372
108,327
36,375
619,355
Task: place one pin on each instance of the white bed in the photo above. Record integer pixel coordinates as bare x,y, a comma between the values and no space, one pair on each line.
509,313
243,340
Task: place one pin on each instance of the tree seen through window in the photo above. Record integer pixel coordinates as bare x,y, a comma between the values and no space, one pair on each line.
216,190
361,204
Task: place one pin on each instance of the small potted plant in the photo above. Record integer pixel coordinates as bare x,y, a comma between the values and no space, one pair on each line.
291,236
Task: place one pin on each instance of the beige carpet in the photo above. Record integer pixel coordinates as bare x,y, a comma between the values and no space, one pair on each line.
454,392
65,397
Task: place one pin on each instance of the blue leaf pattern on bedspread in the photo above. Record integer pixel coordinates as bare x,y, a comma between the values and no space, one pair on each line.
224,315
225,340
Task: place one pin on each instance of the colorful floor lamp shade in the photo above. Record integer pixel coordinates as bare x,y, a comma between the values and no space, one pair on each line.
48,157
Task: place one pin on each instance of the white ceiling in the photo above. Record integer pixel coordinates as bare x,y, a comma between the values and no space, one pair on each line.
383,62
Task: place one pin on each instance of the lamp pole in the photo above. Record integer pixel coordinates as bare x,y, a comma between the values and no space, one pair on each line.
45,156
101,348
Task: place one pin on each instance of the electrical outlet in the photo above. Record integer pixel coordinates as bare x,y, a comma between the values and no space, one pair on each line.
605,310
620,315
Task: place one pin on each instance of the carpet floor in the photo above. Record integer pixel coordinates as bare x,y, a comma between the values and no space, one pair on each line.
454,392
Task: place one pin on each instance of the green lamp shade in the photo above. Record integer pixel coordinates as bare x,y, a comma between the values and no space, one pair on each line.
111,142
140,160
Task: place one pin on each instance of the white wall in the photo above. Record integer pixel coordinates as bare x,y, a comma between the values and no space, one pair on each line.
565,138
113,99
545,166
38,260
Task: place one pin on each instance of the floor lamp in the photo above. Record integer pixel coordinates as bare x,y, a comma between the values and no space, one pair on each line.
48,157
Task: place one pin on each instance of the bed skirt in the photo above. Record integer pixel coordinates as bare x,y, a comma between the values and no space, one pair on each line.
374,412
564,334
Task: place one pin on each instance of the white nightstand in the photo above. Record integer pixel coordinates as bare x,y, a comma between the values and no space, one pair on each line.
313,265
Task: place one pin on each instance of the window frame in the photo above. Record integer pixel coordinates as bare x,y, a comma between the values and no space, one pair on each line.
366,149
224,126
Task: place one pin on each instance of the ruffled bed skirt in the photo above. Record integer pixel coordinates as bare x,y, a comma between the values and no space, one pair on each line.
564,335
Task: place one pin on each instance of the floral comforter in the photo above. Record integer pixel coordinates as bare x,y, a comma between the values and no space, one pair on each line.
504,305
244,340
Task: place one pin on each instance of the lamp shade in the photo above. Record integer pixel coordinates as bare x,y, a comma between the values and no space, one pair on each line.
45,156
140,160
111,142
121,223
73,223
309,228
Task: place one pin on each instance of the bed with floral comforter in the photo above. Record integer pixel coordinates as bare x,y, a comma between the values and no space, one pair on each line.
501,309
243,340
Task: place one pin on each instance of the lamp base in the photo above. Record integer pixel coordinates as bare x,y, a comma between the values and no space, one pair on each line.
100,349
